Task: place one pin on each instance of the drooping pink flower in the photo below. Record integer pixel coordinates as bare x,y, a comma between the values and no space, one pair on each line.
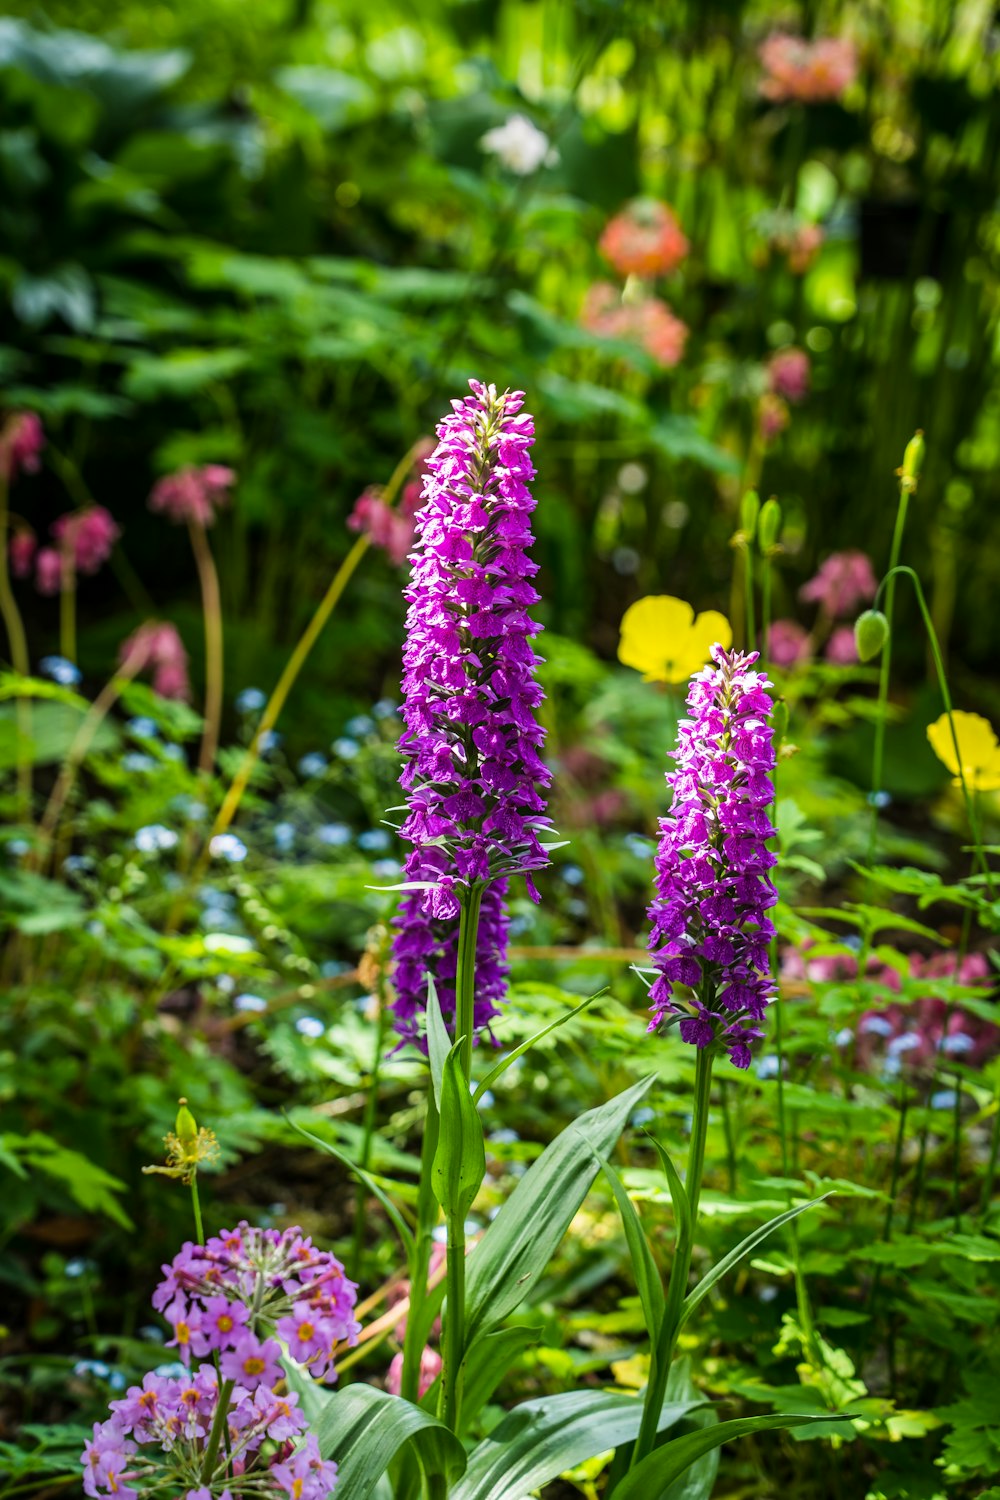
649,323
22,549
644,239
160,650
88,536
390,529
787,643
841,648
843,582
48,571
806,72
21,441
193,495
773,416
430,1369
788,374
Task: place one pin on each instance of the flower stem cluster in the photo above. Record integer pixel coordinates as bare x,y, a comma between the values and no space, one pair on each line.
473,776
710,928
222,1430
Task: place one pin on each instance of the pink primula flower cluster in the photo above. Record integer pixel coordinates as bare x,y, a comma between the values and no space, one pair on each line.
844,581
84,540
807,72
645,239
230,1301
648,322
193,495
21,442
160,651
392,528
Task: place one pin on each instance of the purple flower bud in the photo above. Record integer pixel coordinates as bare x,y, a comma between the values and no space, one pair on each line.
710,927
473,776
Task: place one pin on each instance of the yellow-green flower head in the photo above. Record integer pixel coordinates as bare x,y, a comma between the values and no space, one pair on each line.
977,748
665,641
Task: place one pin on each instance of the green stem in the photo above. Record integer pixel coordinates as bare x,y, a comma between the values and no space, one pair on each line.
666,1336
991,1165
465,1025
751,618
765,607
970,806
67,604
215,1436
956,1156
196,1210
427,1217
878,753
368,1122
211,601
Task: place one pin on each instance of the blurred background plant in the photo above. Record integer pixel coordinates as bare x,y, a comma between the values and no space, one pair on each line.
246,254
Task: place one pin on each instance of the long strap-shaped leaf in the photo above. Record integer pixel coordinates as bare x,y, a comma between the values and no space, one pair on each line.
726,1264
540,1439
649,1479
525,1234
403,1229
647,1277
364,1429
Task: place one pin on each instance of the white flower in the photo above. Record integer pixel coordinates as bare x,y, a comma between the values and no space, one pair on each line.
519,145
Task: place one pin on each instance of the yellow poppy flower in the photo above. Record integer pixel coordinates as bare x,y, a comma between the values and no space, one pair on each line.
664,640
978,748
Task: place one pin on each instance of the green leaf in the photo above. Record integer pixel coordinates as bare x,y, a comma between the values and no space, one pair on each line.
726,1264
510,1258
364,1429
334,99
364,1177
87,1183
644,1269
526,1046
540,1439
667,1463
459,1164
181,372
678,1197
488,1361
438,1041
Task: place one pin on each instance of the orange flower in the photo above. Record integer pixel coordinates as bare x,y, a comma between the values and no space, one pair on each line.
645,239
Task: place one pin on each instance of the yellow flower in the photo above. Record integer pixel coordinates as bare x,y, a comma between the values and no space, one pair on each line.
662,638
977,746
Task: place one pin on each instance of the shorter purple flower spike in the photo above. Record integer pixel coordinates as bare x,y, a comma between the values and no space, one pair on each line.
710,928
425,944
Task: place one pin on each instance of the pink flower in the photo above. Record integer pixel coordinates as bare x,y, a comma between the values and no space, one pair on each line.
430,1369
392,530
186,1324
645,239
252,1363
160,650
23,546
193,495
306,1334
844,580
89,535
841,648
222,1320
648,323
21,441
807,72
773,416
788,374
48,571
803,248
787,643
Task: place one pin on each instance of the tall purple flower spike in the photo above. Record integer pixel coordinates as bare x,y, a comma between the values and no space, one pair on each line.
473,776
710,927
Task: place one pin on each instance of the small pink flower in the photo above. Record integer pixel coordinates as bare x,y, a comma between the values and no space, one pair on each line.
841,648
21,441
48,571
787,643
788,374
773,416
159,650
807,72
252,1363
88,535
844,580
392,530
22,549
803,248
645,239
193,495
650,323
430,1369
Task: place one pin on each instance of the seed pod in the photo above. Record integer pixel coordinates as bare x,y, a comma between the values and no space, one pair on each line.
913,459
749,511
871,631
769,525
